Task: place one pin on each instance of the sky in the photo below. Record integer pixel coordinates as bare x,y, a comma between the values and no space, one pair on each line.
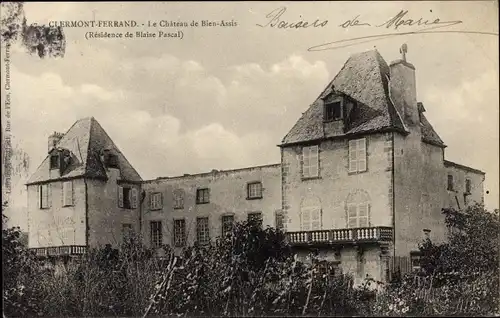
224,97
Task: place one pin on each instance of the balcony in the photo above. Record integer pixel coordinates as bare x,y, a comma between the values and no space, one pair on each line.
60,250
379,234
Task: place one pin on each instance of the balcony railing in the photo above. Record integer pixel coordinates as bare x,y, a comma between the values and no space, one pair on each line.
341,236
60,250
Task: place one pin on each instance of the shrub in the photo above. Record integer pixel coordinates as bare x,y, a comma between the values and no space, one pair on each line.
459,277
252,272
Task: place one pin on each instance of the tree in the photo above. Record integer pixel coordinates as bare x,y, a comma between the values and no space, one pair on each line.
18,269
473,243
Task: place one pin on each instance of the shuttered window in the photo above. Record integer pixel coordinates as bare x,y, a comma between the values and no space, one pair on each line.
68,193
358,215
310,218
127,197
357,155
310,162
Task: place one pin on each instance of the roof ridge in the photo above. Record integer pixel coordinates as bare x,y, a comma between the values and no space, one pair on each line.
115,146
92,120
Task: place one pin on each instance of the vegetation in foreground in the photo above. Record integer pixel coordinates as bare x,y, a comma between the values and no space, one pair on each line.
253,272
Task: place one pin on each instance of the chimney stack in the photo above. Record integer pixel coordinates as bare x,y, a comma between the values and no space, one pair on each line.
54,140
403,89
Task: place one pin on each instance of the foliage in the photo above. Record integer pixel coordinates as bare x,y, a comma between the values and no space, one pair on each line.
459,277
18,266
472,247
253,272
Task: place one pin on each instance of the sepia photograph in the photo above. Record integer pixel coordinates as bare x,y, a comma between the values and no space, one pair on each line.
246,158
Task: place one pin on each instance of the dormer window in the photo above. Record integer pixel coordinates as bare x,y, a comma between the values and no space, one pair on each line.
54,161
333,111
112,161
333,108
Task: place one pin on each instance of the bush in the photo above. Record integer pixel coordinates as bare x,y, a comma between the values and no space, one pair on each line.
460,277
252,271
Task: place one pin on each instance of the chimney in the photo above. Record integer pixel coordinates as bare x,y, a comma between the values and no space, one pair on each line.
403,90
54,140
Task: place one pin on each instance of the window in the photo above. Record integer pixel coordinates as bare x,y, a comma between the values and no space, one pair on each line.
202,196
178,199
54,161
310,218
156,234
68,193
44,196
468,187
254,190
357,155
279,220
450,182
155,201
126,232
255,217
333,111
357,215
227,224
112,161
310,162
179,232
202,231
127,197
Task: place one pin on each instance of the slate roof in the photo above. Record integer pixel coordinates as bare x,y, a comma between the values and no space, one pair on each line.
429,135
85,140
365,79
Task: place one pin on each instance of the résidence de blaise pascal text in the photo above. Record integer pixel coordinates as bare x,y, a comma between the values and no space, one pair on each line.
139,34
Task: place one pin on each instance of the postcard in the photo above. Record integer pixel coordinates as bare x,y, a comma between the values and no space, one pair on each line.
351,127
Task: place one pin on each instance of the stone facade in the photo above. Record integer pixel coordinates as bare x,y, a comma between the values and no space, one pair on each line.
362,178
56,224
227,196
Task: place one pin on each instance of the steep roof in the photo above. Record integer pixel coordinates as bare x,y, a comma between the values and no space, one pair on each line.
364,78
85,140
429,135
